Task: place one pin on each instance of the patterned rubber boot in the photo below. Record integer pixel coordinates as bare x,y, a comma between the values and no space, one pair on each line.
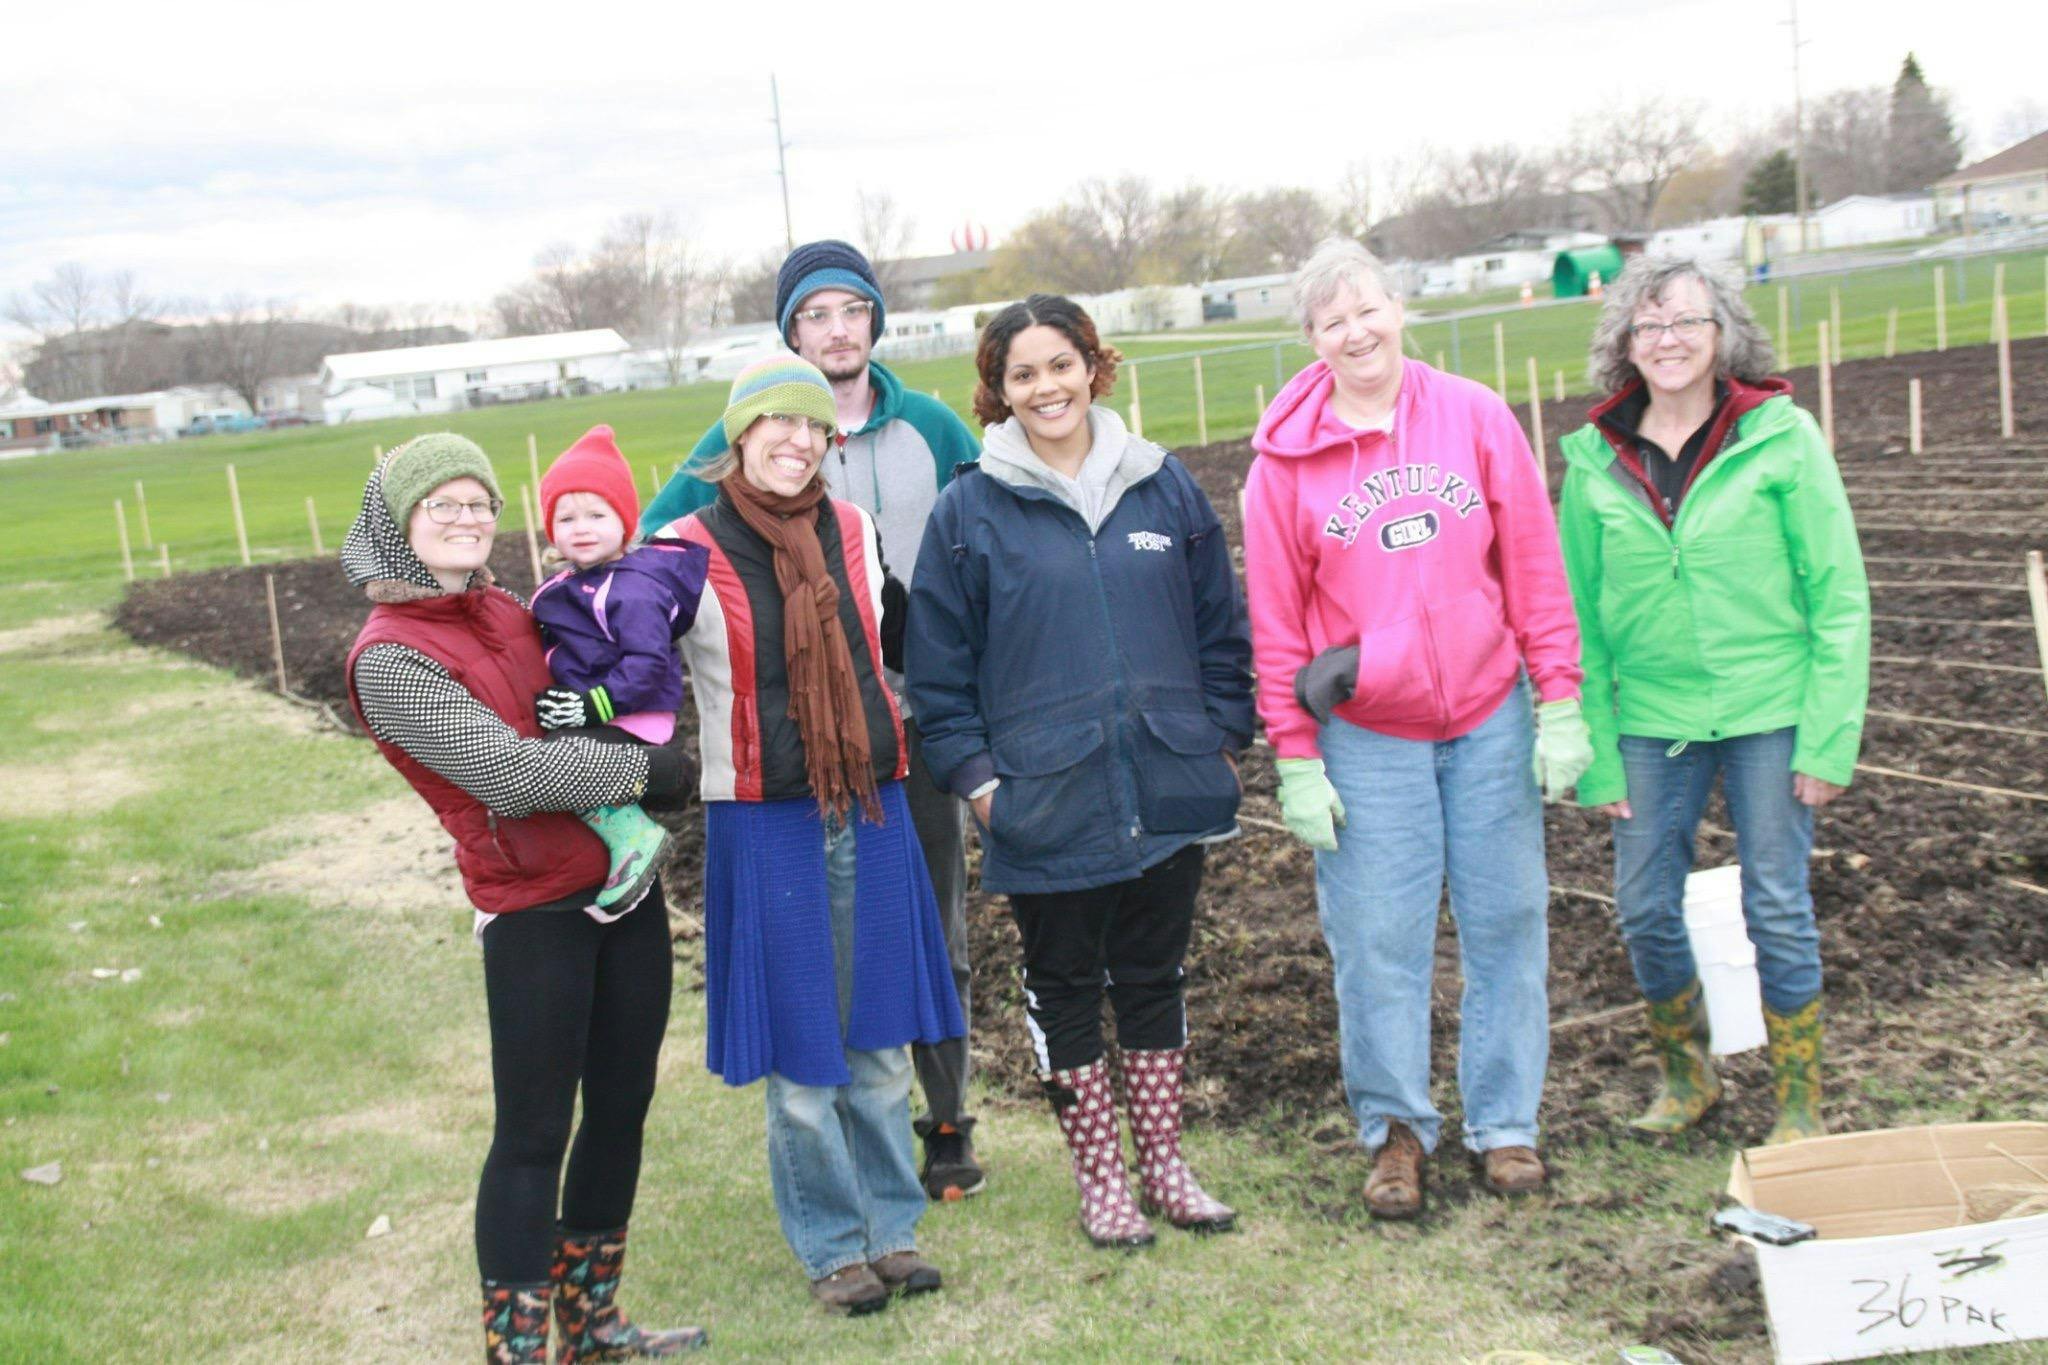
635,843
516,1323
1086,1108
588,1324
1678,1036
1152,1089
1795,1072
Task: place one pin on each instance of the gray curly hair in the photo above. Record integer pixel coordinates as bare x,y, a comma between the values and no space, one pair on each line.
1743,349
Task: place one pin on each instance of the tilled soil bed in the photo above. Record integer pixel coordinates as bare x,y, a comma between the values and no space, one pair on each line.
1918,886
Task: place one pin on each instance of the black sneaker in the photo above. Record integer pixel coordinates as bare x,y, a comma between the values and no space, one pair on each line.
950,1171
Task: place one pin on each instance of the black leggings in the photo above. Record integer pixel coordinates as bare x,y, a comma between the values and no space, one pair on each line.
571,1000
1129,936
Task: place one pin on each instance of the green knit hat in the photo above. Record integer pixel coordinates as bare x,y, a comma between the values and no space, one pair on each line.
424,463
781,383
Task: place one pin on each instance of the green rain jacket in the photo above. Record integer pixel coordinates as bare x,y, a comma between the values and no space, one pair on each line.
1748,612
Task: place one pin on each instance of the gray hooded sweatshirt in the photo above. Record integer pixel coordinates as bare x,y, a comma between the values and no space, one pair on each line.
1116,460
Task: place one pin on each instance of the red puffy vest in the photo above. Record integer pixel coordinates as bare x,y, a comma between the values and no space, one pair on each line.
487,642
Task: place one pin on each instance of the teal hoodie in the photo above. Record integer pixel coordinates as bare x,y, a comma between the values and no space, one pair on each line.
894,467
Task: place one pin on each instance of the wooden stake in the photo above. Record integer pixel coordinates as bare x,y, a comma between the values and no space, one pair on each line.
1827,390
1785,325
376,456
1941,308
241,526
127,558
1536,418
1891,333
1560,386
163,556
533,464
1259,398
1440,362
1137,408
654,479
276,634
1835,323
1201,407
2037,594
142,513
2002,331
1913,416
313,524
1500,360
532,519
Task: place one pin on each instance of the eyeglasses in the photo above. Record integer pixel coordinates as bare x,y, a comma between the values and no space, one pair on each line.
860,310
789,422
1685,329
446,513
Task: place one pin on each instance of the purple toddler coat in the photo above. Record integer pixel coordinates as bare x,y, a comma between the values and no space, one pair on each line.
615,626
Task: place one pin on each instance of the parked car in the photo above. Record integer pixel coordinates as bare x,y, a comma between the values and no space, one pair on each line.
217,423
286,419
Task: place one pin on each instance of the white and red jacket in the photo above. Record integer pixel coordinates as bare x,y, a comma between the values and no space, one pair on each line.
1431,546
749,745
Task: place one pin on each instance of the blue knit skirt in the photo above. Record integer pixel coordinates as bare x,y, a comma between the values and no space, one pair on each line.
771,995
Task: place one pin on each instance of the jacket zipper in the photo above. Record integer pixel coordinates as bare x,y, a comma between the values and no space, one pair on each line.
1116,662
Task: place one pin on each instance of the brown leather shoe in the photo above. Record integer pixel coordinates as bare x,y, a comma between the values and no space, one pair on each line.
906,1272
1394,1189
1513,1170
852,1290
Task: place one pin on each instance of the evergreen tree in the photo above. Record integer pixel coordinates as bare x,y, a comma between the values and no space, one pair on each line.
1772,185
1924,143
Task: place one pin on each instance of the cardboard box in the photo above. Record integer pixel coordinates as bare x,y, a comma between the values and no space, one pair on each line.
1898,1265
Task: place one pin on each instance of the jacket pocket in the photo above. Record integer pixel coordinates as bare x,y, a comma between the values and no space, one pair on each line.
1184,782
1054,794
1394,683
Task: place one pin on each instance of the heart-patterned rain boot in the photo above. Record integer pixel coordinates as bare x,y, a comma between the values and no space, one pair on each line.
1152,1088
1085,1105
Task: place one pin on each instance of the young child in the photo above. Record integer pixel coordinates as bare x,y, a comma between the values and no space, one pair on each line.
609,622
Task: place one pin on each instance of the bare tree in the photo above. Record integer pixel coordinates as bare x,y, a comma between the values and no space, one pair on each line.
239,345
1194,242
1115,224
2020,120
882,232
1846,143
1278,228
1625,153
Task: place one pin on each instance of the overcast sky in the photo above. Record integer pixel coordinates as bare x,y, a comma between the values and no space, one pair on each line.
392,153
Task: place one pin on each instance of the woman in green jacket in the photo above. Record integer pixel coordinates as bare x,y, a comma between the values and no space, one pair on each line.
1725,621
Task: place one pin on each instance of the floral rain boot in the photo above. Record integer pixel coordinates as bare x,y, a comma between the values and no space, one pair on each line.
588,1324
635,843
515,1323
1085,1105
1795,1072
1152,1089
1678,1036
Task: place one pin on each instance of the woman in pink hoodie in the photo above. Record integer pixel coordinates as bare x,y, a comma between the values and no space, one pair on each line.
1407,598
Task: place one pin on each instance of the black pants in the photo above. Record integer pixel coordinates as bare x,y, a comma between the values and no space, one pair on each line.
1128,936
572,1002
941,822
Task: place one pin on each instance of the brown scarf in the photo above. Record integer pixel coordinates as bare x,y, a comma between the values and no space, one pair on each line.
824,698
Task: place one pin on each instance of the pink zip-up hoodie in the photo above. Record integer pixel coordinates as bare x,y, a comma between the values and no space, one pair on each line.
1431,546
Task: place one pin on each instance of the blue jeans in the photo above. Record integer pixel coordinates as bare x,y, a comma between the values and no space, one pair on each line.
1653,851
1416,811
839,1157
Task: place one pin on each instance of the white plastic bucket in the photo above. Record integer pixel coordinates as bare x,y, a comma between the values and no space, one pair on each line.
1726,959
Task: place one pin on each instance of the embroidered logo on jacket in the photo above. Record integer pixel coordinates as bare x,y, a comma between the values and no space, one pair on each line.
1376,491
1150,540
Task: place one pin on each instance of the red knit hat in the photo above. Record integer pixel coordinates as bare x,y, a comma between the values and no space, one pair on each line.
592,465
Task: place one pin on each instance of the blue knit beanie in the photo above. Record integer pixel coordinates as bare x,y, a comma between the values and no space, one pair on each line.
830,264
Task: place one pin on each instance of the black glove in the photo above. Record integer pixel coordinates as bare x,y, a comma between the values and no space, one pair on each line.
895,612
1326,681
562,708
671,777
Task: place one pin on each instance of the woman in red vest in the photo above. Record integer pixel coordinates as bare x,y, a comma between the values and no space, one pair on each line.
444,676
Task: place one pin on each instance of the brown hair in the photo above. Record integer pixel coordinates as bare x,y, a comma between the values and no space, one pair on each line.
1061,314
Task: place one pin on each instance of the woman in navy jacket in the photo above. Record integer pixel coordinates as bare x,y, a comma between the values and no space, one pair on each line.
1078,659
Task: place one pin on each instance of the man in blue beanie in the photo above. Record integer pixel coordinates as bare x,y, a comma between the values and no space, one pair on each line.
894,451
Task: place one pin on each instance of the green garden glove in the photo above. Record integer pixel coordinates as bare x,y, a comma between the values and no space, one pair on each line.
1308,803
1564,748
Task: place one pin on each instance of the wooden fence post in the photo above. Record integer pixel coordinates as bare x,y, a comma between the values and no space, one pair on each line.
1835,323
531,518
1259,398
1941,308
127,557
1536,416
241,526
2037,594
276,633
142,512
313,522
1440,362
1201,407
1913,416
1560,386
1827,391
1137,406
1785,325
533,465
2003,331
163,556
1500,360
1891,333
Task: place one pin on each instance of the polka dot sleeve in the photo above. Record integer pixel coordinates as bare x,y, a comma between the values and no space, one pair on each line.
412,702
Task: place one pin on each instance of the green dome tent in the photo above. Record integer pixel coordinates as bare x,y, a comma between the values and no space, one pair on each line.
1572,276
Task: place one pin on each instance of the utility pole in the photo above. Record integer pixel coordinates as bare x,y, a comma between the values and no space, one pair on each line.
782,163
1798,131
